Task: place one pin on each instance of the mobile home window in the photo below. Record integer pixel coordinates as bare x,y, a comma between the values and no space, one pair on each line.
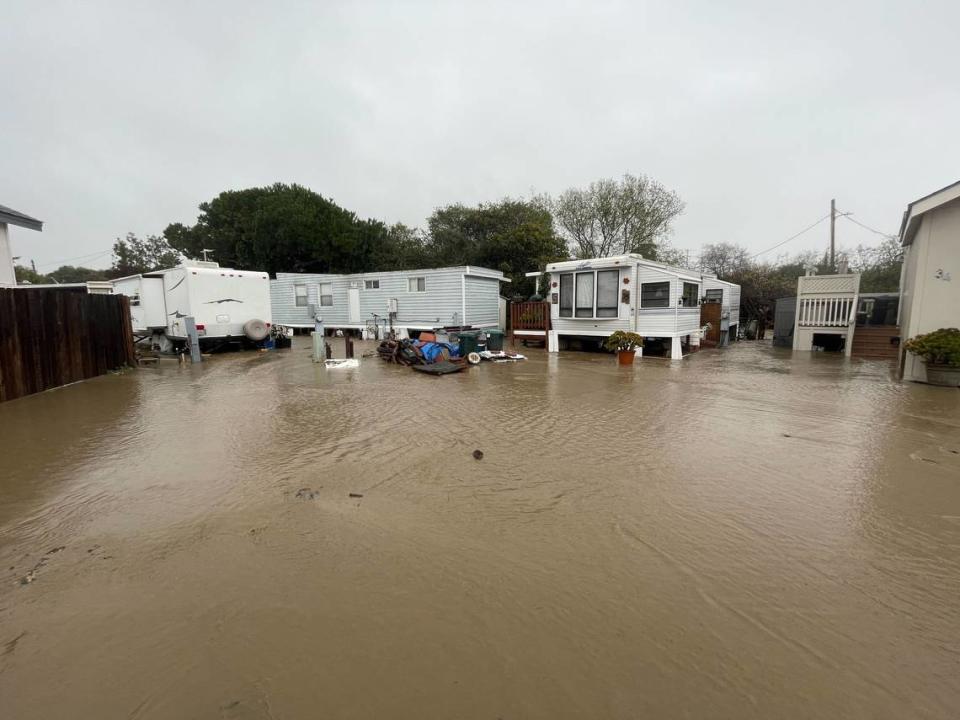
655,295
715,295
417,284
566,295
584,306
607,286
371,284
691,295
300,293
326,294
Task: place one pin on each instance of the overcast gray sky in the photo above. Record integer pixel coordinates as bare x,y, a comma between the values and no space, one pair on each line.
123,116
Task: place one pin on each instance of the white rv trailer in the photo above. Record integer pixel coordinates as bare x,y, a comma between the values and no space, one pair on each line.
593,298
226,304
728,295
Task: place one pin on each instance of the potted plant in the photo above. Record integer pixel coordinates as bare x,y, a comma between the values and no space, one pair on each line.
624,344
940,350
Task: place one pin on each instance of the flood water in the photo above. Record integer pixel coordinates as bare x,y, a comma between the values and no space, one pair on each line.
743,534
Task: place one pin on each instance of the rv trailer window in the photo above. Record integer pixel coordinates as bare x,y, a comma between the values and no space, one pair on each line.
691,295
326,294
608,282
715,295
655,295
135,300
417,284
300,293
371,284
585,282
566,295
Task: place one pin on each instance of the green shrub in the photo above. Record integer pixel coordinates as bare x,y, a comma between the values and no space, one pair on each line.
940,347
622,341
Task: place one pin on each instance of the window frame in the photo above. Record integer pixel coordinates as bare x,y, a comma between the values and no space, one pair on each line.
371,284
694,296
421,283
563,312
712,299
666,301
616,295
322,296
573,278
297,296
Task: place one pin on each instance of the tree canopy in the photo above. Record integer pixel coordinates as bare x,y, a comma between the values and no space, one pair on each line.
611,217
131,255
281,228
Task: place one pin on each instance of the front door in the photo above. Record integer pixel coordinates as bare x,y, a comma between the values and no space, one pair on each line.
353,297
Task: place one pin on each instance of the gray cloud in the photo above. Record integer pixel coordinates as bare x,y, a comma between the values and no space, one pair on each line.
124,116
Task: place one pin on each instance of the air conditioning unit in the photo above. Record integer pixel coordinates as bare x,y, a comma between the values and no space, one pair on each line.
392,305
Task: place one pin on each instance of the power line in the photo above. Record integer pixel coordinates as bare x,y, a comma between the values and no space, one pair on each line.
792,237
867,227
91,256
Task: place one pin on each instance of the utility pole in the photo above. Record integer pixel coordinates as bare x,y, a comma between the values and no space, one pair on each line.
833,223
33,264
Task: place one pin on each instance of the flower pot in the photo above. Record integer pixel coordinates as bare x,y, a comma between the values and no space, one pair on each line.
625,357
944,375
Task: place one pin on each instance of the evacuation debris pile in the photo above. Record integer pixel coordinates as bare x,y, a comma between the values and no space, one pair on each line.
414,352
442,355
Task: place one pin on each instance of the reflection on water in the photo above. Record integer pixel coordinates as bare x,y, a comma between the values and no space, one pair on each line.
744,534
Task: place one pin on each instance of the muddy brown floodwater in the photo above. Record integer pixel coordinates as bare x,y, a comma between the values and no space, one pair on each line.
744,534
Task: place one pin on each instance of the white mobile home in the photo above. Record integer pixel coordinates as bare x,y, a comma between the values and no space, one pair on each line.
225,304
930,277
420,299
728,295
593,298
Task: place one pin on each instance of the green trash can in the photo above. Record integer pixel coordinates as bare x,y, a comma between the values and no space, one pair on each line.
494,340
468,342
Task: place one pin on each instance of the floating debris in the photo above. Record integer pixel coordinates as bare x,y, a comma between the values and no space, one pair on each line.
478,454
307,494
356,495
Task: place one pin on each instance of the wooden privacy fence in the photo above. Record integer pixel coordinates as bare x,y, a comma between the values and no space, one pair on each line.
530,316
53,337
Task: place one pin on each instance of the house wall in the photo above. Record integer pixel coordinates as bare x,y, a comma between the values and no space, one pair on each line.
7,275
930,296
442,302
483,301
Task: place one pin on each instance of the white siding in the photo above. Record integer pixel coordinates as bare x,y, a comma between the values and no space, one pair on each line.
594,326
929,301
673,321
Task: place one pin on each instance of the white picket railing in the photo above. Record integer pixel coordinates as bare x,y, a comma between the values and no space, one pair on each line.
827,311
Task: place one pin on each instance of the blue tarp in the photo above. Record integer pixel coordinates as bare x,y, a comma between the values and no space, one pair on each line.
432,351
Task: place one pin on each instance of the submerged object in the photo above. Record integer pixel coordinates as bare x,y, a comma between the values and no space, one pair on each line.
443,367
473,358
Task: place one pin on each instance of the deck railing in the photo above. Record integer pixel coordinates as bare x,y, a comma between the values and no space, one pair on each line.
530,316
830,311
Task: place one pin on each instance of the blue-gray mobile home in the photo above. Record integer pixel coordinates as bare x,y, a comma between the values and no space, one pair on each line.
422,299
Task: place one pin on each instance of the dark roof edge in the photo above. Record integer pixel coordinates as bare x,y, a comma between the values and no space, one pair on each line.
12,217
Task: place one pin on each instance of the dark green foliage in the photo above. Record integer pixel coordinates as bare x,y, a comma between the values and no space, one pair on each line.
132,255
512,236
940,347
622,340
282,228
